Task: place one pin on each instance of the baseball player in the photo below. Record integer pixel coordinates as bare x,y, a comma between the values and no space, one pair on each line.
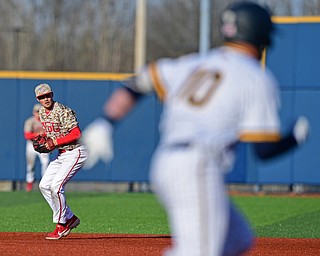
62,130
210,103
32,128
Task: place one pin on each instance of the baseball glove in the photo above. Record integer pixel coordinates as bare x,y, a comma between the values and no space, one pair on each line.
39,144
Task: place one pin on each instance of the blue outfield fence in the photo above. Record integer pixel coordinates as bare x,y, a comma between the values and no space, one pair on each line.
293,59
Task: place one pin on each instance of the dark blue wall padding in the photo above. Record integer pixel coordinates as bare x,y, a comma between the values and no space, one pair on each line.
293,58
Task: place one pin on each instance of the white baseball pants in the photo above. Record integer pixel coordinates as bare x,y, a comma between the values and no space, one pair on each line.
59,172
193,193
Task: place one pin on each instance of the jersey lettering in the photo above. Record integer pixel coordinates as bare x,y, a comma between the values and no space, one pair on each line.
51,127
201,87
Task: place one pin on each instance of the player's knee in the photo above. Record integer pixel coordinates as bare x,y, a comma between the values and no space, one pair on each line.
55,189
43,187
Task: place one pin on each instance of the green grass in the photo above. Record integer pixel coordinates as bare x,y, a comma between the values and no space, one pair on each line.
129,213
280,216
140,213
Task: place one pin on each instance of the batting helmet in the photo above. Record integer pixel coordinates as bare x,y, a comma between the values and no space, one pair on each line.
247,22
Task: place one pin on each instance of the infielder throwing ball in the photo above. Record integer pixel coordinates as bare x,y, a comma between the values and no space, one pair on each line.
62,132
210,103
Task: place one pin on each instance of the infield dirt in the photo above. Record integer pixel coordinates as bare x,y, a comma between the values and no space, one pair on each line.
14,243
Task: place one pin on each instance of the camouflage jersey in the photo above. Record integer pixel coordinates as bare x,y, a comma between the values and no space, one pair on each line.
59,122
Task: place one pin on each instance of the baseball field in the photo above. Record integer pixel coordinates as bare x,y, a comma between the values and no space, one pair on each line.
136,224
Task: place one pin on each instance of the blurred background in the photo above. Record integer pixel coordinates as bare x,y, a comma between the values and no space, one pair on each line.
83,49
99,35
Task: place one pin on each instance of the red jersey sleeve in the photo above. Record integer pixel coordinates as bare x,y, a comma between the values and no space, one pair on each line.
73,135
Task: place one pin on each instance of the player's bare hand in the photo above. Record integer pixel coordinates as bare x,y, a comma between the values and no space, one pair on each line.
97,138
50,144
301,129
